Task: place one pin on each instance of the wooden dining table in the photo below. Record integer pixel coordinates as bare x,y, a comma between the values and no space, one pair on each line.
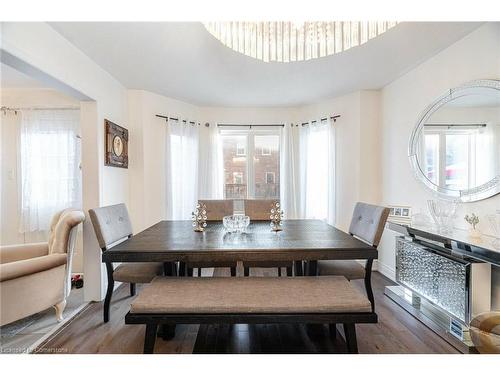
301,241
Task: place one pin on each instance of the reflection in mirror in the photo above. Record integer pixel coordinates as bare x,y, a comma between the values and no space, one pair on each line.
459,144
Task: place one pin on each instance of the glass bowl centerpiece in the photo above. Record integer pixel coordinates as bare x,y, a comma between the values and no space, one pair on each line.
236,223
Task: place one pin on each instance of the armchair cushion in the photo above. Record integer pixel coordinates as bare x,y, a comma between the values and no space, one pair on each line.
14,270
13,253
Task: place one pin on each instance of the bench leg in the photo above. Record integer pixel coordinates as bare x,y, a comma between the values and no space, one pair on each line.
350,338
246,271
132,289
109,291
279,271
289,271
182,269
233,271
150,338
333,330
166,331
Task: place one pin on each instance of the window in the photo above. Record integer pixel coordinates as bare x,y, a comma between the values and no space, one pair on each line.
450,158
240,149
50,166
237,178
269,177
251,163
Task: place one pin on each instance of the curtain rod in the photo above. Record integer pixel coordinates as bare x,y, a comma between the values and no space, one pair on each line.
176,119
333,117
458,125
250,125
38,108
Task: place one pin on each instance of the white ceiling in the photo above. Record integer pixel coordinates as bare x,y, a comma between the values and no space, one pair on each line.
12,78
183,61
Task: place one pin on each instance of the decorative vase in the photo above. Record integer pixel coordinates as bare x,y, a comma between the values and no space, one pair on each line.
495,226
474,233
473,220
443,213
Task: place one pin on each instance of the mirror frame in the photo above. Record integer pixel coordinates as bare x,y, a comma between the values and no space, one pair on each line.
484,191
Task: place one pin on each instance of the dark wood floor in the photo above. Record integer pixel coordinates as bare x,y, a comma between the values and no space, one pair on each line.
396,332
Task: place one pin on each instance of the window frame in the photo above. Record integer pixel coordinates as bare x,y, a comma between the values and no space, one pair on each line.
250,133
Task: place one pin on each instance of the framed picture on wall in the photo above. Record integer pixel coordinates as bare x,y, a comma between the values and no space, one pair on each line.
400,214
116,145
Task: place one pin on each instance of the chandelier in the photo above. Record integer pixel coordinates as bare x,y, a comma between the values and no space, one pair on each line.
289,41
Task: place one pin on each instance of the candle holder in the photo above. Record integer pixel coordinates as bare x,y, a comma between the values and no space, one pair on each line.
276,217
199,217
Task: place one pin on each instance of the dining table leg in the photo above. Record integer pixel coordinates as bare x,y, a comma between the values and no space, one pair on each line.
299,270
311,268
167,331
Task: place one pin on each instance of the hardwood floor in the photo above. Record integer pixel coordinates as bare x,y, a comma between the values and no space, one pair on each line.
396,332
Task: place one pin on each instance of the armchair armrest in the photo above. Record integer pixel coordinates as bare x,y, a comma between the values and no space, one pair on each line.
14,270
13,253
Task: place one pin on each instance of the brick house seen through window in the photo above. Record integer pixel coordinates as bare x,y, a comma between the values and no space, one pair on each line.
251,164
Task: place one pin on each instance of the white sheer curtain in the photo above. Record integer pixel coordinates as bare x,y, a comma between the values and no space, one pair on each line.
319,172
308,171
291,195
50,166
182,169
211,167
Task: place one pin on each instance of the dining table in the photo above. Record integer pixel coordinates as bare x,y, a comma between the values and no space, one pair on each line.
304,241
175,240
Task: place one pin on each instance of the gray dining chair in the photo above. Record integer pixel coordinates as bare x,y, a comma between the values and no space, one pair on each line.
367,224
216,210
260,210
112,225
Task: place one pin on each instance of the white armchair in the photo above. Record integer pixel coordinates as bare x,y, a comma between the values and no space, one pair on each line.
36,276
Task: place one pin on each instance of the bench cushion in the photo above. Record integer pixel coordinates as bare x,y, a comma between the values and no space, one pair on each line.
250,295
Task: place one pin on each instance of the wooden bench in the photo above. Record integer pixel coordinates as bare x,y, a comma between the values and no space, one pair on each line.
250,300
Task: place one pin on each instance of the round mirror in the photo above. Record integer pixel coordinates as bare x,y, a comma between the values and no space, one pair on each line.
455,147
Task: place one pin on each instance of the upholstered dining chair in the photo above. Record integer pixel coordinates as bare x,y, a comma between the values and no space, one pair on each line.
485,332
36,276
112,225
260,210
367,224
216,210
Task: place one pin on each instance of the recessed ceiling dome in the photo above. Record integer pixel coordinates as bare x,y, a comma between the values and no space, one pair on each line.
289,41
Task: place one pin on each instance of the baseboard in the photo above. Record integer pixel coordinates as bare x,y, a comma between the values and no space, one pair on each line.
387,271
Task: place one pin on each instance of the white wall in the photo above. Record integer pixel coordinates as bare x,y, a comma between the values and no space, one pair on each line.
476,56
38,49
147,153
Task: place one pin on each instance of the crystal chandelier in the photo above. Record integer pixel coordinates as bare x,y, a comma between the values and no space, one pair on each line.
289,41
